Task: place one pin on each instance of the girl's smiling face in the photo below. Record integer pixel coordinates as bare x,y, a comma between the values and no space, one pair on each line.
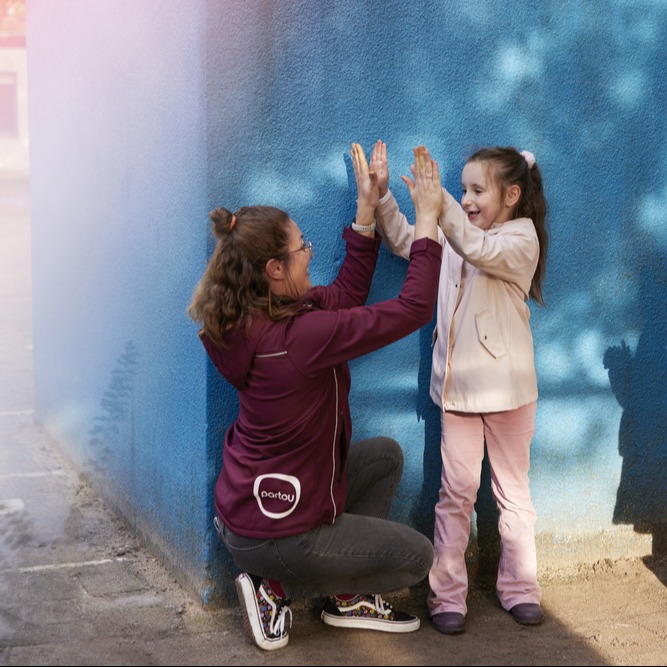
482,199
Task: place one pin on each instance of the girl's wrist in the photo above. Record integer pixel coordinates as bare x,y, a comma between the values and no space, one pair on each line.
365,216
426,225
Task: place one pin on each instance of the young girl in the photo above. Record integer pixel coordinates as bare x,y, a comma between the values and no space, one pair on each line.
483,375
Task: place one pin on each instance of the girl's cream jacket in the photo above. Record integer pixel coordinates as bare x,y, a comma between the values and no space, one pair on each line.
483,357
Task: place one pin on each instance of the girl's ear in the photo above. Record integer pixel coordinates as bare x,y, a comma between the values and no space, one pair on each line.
275,269
512,195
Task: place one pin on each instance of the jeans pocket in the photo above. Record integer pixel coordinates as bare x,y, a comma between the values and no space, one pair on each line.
240,543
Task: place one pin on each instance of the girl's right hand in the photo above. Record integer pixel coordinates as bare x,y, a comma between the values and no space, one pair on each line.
426,193
380,167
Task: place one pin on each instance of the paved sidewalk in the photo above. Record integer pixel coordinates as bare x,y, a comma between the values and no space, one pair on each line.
77,587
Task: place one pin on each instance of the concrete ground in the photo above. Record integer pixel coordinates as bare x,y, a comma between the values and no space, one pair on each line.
77,587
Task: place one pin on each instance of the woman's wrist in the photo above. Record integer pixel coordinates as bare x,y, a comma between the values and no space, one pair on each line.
363,229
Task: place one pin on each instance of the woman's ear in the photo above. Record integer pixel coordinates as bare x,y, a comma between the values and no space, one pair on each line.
275,269
512,195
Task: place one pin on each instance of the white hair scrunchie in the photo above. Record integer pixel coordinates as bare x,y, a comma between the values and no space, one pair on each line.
529,158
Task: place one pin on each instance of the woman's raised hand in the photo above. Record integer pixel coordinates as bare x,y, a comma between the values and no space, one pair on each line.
380,167
426,193
367,186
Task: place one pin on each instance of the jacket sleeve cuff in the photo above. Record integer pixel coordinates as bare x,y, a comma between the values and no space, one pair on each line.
426,245
361,241
385,198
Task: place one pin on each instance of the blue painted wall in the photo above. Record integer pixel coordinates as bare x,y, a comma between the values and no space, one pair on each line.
146,115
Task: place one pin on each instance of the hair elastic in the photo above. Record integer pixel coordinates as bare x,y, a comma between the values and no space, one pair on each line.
232,223
529,158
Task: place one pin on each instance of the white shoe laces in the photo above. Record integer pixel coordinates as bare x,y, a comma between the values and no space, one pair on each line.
278,626
277,623
381,605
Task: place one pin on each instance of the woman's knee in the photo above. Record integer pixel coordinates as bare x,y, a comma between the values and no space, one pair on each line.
380,448
392,449
423,555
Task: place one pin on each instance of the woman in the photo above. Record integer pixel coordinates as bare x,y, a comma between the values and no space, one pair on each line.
302,512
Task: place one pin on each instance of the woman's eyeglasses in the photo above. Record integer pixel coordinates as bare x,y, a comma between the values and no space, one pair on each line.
306,246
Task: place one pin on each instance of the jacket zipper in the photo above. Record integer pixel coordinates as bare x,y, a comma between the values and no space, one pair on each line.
333,452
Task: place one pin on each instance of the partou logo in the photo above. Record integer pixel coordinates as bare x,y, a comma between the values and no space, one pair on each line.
277,494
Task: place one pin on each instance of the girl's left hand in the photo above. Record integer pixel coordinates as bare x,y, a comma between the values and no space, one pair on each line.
367,186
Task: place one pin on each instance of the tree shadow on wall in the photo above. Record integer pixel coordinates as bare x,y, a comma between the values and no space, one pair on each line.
638,382
110,428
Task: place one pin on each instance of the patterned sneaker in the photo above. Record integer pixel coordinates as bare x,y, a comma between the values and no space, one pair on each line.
367,611
263,612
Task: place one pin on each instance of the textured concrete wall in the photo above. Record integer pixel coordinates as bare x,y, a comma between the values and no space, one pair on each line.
146,115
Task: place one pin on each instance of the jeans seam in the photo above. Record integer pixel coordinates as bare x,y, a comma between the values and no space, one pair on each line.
404,558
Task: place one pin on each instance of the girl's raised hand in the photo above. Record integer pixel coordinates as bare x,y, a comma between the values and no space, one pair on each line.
367,186
380,167
426,193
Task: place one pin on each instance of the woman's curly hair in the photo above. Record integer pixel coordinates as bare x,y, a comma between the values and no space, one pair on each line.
234,287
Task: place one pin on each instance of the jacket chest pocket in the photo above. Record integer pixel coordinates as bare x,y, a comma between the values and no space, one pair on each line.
488,333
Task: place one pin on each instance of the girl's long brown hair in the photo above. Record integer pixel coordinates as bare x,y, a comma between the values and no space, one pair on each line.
508,167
